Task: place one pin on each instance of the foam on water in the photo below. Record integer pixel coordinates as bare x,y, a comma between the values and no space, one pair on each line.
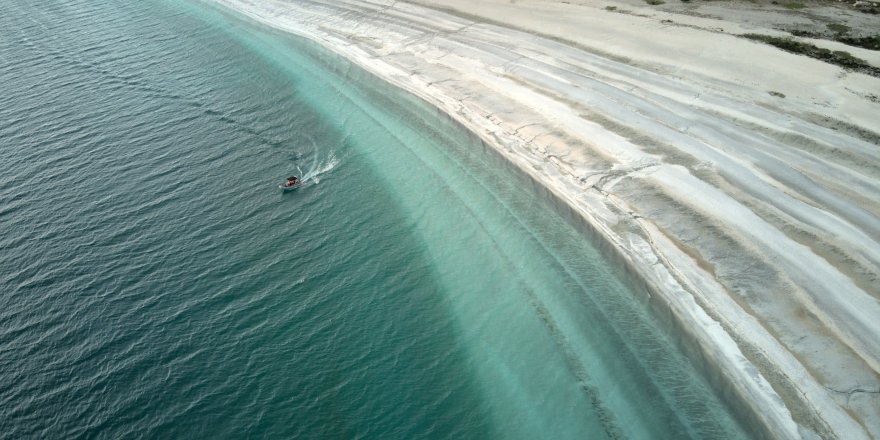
317,168
155,281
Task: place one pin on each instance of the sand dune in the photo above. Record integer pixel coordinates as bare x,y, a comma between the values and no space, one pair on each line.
740,182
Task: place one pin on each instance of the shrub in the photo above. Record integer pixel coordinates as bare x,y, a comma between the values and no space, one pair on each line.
837,57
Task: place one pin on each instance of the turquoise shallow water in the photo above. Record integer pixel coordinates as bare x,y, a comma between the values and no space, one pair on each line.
154,282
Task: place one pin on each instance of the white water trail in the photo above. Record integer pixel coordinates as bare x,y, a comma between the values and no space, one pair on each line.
313,176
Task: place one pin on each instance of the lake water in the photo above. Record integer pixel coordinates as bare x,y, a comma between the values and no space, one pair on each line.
155,281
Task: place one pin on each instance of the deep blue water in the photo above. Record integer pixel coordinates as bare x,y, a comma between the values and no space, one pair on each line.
155,282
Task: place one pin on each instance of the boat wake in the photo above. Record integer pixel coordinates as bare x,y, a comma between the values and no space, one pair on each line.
318,167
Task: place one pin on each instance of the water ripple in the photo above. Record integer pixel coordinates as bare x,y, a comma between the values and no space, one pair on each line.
155,282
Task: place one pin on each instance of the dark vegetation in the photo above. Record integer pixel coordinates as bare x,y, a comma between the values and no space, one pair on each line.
838,28
865,7
872,42
835,31
790,5
836,57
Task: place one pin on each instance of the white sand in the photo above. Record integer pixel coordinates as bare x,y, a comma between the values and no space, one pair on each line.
753,217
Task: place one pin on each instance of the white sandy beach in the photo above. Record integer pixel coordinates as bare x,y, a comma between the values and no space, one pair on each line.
740,182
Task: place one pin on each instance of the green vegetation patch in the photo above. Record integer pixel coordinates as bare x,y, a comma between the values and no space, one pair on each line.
839,28
872,42
794,5
655,2
836,57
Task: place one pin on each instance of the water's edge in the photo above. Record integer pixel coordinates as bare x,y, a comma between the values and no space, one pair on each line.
658,288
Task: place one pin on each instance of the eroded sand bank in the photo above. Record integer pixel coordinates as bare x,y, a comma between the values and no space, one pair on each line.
742,183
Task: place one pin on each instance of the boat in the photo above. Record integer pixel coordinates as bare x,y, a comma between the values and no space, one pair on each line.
286,186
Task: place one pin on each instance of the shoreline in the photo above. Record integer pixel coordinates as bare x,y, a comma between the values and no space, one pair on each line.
686,173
